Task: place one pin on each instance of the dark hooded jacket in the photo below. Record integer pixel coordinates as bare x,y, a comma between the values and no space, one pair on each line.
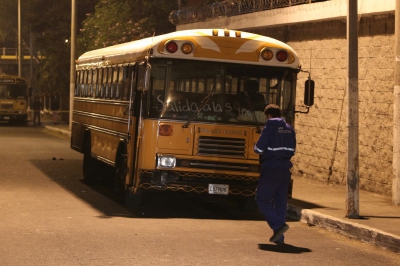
277,143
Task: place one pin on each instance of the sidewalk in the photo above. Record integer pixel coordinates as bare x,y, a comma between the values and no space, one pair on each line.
317,203
48,124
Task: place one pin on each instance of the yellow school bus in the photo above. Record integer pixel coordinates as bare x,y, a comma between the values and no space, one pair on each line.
13,98
180,111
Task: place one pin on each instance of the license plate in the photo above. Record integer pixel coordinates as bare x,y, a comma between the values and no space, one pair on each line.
218,189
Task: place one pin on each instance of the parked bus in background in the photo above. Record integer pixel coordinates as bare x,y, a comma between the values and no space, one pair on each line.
13,99
180,111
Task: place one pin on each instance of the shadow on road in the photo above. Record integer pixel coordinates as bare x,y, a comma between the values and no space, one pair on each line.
304,204
285,248
155,204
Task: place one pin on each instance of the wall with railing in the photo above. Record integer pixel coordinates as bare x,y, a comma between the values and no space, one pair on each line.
12,53
230,8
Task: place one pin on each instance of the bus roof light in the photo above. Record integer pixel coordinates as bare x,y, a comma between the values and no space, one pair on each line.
267,54
187,48
172,47
281,56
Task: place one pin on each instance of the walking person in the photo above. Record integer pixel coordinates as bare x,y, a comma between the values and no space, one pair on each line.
37,107
55,107
276,146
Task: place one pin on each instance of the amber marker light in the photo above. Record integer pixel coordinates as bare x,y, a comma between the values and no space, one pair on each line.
215,32
281,56
187,48
267,54
165,130
172,47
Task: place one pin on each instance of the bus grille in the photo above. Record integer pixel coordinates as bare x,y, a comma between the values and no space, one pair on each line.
6,106
221,147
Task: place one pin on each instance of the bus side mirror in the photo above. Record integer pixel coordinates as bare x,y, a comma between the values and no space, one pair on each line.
144,77
309,92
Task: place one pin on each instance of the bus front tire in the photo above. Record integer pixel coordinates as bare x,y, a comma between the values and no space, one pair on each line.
132,199
247,203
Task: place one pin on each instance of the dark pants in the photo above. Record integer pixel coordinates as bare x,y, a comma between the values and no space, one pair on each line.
271,195
36,114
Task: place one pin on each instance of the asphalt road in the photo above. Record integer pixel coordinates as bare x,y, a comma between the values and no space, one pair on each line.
50,217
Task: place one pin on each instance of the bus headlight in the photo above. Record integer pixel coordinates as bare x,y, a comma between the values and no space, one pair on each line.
166,161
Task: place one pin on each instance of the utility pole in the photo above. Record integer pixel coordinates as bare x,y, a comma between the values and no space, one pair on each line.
72,63
19,41
396,111
352,121
31,57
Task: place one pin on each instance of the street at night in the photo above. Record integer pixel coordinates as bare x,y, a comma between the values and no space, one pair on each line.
50,217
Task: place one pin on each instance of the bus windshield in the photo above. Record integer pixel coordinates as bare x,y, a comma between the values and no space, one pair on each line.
228,93
12,91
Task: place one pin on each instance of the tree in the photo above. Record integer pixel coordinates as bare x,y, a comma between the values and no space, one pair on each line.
52,31
118,21
50,23
104,23
8,20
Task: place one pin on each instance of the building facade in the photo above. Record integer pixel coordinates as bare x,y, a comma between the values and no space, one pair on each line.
317,31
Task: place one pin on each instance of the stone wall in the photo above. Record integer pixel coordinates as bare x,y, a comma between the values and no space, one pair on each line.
322,133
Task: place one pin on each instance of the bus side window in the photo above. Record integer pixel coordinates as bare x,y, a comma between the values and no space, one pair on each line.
87,82
111,81
128,79
103,83
89,85
118,82
94,84
99,81
82,82
76,92
108,82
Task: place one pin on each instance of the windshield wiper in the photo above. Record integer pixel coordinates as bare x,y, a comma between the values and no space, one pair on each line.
204,102
253,113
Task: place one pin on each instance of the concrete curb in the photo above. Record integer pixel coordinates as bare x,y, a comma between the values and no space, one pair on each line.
61,131
346,228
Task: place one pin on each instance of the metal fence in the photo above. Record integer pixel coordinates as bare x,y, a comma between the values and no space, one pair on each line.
12,53
229,8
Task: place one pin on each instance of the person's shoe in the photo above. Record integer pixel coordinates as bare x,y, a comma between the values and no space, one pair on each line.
278,233
280,242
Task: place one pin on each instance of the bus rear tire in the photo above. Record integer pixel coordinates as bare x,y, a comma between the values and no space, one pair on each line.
88,165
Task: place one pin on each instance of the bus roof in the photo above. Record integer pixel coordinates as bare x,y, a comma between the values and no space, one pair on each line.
11,79
207,44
